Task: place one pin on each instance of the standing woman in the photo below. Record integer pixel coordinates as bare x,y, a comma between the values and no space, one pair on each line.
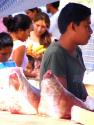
39,36
19,28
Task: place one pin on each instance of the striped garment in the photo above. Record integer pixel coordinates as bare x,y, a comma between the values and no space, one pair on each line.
88,54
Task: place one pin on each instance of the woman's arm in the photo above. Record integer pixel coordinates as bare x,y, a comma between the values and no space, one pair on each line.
18,55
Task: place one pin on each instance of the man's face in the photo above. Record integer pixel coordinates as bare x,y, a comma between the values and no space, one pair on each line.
83,32
5,54
48,8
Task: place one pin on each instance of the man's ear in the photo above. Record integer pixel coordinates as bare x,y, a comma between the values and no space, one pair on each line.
73,26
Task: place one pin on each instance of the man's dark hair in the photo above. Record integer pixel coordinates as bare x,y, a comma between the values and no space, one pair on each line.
72,12
55,4
5,40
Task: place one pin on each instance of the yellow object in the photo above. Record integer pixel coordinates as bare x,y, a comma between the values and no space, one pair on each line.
29,50
35,51
37,48
41,50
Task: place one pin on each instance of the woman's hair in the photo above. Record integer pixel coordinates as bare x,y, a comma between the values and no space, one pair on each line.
38,10
5,40
20,21
45,38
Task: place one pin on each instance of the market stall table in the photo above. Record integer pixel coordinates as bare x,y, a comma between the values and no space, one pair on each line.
15,119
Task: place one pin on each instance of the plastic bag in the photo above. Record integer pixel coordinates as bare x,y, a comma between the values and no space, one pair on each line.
22,97
52,101
56,101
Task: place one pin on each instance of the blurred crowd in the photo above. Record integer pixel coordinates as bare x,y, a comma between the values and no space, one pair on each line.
31,30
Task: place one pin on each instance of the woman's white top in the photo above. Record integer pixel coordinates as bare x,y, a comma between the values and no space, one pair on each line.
17,44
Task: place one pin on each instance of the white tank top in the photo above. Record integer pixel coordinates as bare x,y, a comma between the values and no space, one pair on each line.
17,44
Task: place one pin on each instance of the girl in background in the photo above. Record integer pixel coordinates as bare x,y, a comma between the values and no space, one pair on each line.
39,36
19,28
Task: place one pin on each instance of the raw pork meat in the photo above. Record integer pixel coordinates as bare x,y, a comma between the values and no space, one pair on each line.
55,100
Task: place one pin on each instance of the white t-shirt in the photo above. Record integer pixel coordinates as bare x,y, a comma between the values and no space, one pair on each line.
54,30
16,45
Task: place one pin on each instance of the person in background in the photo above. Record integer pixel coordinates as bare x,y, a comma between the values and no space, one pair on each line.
32,12
53,9
6,45
19,28
64,58
40,36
